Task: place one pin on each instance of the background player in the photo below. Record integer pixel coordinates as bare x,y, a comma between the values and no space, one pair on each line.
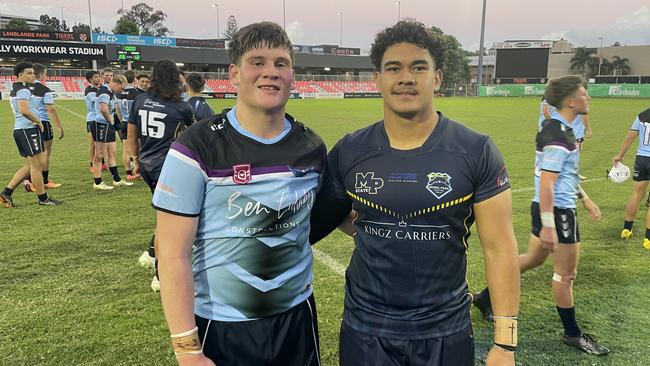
417,181
195,83
128,95
28,130
103,131
44,98
251,277
157,118
641,175
90,97
553,209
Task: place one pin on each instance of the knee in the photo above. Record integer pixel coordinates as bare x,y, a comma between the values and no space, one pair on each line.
565,277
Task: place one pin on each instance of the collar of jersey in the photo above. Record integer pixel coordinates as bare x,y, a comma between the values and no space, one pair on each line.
231,116
428,144
557,116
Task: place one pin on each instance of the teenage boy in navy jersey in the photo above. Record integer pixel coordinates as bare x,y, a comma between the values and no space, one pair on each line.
416,182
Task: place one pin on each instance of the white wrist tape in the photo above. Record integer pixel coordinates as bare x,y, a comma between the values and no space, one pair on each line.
548,219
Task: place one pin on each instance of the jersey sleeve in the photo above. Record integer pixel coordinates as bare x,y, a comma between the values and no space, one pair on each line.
103,98
553,157
636,125
48,97
188,115
492,174
332,202
181,185
24,94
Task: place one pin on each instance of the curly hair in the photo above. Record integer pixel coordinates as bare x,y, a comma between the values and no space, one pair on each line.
258,35
165,81
409,31
560,88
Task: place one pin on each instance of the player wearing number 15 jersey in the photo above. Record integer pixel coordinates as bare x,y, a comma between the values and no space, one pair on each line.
155,120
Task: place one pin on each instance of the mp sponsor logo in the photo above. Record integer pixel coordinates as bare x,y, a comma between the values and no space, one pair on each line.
367,183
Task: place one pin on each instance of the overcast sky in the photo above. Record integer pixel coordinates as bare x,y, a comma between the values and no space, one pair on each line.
317,21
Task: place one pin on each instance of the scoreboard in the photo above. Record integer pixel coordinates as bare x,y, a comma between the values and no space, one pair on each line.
128,53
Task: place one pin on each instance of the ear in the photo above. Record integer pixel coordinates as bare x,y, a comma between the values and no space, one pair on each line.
437,77
377,79
233,74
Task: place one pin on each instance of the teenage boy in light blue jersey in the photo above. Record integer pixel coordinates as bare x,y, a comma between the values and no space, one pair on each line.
28,134
641,128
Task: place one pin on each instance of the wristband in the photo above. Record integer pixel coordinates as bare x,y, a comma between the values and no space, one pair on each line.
505,331
548,219
505,347
187,342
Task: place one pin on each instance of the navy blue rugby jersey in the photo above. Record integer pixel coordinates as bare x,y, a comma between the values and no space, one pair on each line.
159,122
201,108
251,256
406,278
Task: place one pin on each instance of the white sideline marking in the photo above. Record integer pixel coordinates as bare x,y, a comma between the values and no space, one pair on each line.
71,112
330,262
339,269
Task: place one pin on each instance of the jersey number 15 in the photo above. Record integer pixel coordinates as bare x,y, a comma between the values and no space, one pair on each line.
151,123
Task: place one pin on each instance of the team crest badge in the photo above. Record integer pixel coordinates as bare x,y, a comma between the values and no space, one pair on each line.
439,184
241,173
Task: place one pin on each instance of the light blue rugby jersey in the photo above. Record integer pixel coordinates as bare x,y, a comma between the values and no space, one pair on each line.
90,98
42,96
21,91
556,151
251,256
104,96
541,117
643,127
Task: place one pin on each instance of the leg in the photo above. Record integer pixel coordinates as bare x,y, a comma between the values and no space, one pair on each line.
111,154
100,147
534,256
91,149
633,203
36,171
565,264
19,176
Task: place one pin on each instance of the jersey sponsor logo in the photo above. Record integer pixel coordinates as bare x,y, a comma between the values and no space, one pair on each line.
241,173
503,178
398,177
439,184
367,183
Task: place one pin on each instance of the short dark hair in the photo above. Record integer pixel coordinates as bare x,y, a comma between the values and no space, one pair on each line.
558,89
258,35
195,81
21,66
91,74
39,69
140,76
165,81
130,76
409,31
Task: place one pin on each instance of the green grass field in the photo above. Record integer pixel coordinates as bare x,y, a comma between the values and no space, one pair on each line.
72,293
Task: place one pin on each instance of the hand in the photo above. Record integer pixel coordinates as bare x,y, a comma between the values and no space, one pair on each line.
617,159
592,208
500,357
61,133
548,236
40,126
194,360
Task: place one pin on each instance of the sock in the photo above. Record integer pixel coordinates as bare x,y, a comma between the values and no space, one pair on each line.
46,174
42,197
103,162
647,233
8,191
98,180
152,251
116,175
628,225
129,172
568,317
91,164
